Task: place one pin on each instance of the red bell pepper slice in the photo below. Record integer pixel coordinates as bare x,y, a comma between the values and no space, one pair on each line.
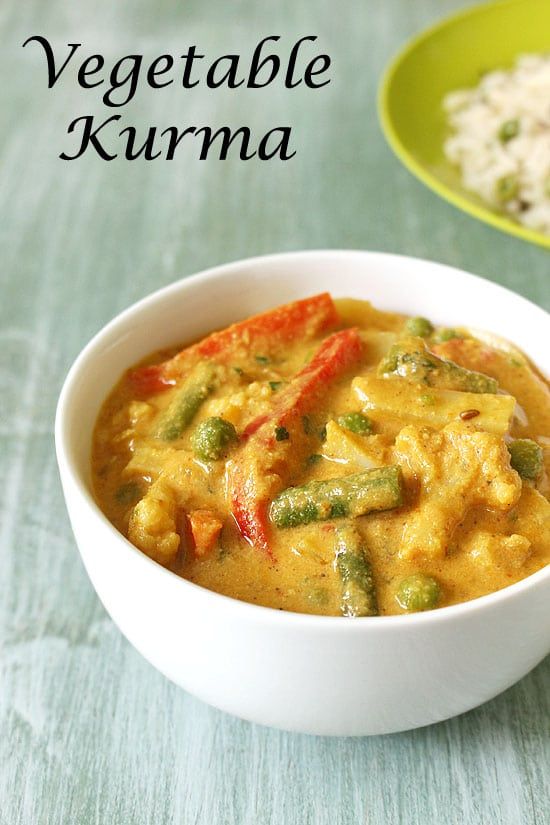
250,515
150,380
274,441
302,320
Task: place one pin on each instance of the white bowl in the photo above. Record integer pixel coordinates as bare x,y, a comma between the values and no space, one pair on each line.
321,675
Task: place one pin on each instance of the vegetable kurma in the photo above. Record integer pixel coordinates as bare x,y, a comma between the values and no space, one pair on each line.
326,457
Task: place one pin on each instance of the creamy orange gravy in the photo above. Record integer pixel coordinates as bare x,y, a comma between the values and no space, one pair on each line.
477,550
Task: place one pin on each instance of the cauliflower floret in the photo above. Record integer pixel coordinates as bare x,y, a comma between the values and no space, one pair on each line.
148,459
243,405
152,525
506,552
133,413
139,411
457,468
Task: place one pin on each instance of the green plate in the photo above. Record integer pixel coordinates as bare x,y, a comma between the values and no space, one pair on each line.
451,55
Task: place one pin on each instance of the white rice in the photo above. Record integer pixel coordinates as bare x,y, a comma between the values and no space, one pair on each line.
492,166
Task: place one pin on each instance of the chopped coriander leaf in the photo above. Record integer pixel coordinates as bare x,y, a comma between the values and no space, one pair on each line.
313,459
507,188
281,434
128,493
508,130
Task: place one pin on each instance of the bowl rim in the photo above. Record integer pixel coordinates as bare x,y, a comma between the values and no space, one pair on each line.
408,159
69,471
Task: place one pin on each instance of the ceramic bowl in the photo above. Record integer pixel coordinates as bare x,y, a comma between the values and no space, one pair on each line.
321,675
453,55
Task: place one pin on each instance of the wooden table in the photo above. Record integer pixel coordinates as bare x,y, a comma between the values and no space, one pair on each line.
90,732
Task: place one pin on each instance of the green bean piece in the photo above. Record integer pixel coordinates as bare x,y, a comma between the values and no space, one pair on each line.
411,359
508,130
187,402
355,422
212,438
358,597
347,497
418,592
507,188
419,327
526,458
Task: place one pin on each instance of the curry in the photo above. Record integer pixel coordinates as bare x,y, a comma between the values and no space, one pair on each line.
326,457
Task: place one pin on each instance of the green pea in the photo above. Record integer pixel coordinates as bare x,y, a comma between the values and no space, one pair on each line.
418,592
508,130
356,422
507,188
419,327
447,334
212,438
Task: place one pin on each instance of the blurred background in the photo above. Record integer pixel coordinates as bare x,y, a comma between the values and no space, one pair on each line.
90,733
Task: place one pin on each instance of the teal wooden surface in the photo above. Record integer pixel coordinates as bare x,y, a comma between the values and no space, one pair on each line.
90,733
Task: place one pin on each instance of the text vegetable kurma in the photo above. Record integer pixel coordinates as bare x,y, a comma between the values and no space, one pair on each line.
325,457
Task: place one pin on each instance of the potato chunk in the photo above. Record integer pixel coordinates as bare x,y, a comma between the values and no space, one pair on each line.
396,396
458,468
345,447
